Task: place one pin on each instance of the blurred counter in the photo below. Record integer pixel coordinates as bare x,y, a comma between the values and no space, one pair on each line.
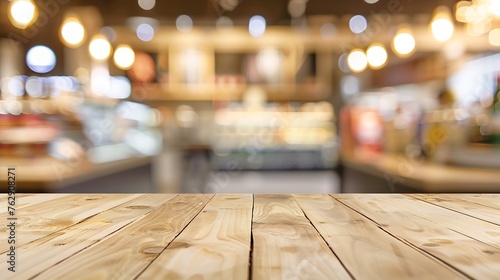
398,173
46,174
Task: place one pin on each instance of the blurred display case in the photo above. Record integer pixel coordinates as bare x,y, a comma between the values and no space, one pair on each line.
60,136
274,136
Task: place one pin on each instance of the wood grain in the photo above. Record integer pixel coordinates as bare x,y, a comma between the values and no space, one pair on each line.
37,256
215,245
473,258
367,251
24,200
286,245
199,236
125,255
475,228
39,220
466,205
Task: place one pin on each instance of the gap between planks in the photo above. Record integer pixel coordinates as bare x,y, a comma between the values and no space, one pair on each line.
127,252
466,255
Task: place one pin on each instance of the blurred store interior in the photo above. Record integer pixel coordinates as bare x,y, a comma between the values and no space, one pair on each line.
250,96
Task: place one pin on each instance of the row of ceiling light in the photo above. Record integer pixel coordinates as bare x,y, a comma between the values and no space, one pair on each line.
479,16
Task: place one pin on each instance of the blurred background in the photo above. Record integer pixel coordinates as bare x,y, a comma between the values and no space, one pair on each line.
255,96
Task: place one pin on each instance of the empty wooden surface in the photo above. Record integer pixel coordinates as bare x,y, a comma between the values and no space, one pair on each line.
202,236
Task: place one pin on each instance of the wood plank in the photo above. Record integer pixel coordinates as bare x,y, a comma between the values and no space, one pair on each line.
367,251
124,254
40,254
463,205
39,220
478,229
215,245
286,245
487,200
473,258
490,200
24,200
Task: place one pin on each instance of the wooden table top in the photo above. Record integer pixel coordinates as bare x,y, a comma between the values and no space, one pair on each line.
245,236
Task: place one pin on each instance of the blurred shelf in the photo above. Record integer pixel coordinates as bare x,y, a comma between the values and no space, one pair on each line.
48,174
425,176
26,135
234,92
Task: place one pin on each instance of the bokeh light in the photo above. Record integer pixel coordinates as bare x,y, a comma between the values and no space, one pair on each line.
99,48
257,26
328,31
403,43
377,56
224,22
146,4
296,8
357,60
41,59
124,57
441,25
109,32
358,24
494,37
15,86
23,13
461,10
350,86
34,87
343,63
184,23
145,32
72,32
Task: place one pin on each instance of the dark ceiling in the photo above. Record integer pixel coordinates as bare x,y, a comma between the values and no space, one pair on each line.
115,12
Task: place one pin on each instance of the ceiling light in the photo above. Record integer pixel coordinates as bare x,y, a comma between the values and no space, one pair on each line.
377,56
358,24
403,43
441,24
184,23
146,4
356,60
99,48
41,59
124,57
72,32
145,32
257,26
23,13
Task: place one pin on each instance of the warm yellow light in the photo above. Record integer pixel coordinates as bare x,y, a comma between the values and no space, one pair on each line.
23,13
403,43
441,25
377,56
72,32
494,37
461,9
495,7
356,60
99,48
124,57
